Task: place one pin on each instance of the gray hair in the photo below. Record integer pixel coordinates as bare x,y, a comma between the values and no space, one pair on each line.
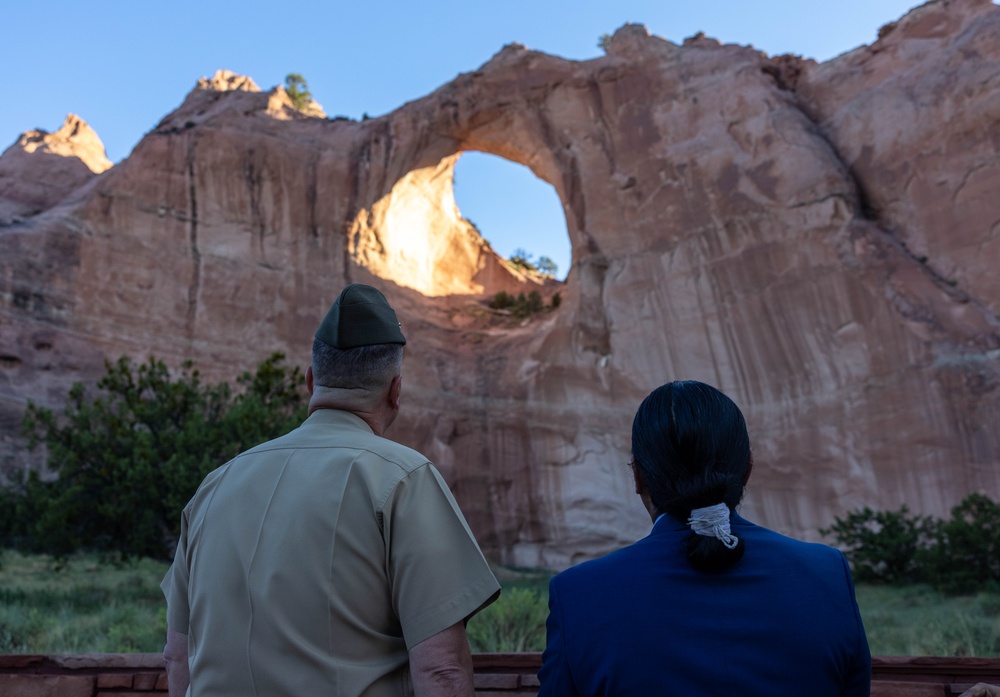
364,367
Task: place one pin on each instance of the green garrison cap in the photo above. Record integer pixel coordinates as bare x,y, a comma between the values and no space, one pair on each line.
361,316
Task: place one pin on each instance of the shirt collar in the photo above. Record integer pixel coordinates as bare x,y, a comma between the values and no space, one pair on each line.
337,417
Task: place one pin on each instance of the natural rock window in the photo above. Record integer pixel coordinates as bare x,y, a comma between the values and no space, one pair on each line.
416,235
513,209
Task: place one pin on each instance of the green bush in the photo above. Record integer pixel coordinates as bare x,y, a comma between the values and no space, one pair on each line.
128,459
515,623
966,553
522,260
525,261
502,300
534,302
958,555
882,546
522,305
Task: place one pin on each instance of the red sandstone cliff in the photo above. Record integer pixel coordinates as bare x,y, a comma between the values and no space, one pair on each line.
817,240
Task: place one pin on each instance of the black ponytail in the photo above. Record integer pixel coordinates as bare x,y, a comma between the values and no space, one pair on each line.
691,446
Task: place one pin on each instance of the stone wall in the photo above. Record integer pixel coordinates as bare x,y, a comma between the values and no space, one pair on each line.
496,675
132,675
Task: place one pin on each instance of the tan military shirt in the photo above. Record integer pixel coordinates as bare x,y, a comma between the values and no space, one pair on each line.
309,564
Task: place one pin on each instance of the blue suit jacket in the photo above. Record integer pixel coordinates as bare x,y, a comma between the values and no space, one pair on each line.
643,621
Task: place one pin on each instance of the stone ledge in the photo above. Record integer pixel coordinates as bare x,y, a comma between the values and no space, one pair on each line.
496,675
31,685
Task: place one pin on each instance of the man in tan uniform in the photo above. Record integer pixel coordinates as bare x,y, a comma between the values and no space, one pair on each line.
329,561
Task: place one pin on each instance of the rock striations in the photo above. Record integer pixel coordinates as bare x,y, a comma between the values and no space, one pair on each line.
817,240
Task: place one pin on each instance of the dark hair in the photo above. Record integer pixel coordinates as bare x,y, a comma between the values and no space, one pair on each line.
364,367
691,446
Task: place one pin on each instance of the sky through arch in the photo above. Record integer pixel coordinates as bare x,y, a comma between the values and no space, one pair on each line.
512,208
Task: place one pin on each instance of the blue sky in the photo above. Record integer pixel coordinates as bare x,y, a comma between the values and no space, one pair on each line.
124,64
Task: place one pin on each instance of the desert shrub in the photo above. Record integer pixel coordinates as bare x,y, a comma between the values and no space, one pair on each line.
958,555
533,303
502,300
128,459
522,305
966,553
881,545
522,259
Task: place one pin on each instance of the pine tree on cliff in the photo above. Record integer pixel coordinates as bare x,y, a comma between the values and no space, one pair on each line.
298,91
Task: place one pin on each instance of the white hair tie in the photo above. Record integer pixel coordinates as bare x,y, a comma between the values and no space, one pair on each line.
713,521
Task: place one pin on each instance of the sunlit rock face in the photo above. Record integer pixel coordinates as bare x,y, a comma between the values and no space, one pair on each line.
40,169
416,236
759,224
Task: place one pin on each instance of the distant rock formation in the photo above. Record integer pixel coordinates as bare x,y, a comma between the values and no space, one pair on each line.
41,168
817,240
279,104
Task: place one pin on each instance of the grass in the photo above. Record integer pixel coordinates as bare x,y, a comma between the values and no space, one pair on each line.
90,607
919,621
516,621
83,607
899,621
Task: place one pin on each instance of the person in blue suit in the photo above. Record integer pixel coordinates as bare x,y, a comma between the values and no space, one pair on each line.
708,603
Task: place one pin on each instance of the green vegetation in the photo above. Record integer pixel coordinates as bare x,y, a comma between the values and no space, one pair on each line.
129,458
546,266
298,91
917,620
521,258
957,555
87,606
603,42
525,260
881,545
129,454
514,623
81,606
522,305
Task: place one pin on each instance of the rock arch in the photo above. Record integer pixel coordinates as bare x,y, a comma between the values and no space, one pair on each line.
724,227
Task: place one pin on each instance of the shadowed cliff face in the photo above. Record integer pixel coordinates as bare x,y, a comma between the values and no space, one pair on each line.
818,241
